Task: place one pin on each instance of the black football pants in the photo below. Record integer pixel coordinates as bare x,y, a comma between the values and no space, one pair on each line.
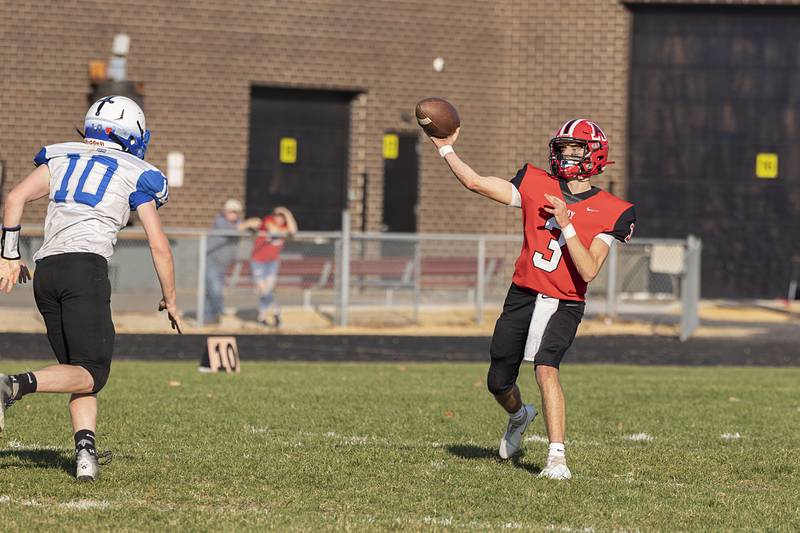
73,295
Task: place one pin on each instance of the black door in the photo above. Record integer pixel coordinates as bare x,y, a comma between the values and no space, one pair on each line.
712,87
299,154
400,183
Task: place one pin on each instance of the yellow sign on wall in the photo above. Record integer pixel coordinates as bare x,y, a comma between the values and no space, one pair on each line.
288,150
766,166
391,146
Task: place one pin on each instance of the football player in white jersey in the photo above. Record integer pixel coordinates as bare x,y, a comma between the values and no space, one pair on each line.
93,186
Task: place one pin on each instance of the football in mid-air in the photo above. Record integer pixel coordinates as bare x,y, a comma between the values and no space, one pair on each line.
437,117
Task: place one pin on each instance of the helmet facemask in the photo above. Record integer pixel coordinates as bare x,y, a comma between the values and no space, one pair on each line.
565,163
134,144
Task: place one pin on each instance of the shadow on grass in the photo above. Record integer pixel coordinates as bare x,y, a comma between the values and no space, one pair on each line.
471,451
38,458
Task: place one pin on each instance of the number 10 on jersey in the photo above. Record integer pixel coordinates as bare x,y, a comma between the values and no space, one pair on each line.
81,196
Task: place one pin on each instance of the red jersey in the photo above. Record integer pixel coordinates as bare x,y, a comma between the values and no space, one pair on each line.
267,249
544,265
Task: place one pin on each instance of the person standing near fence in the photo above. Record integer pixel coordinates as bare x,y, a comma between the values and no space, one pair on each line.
265,260
219,257
568,227
93,187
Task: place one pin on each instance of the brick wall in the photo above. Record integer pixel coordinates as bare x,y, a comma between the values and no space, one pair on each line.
516,69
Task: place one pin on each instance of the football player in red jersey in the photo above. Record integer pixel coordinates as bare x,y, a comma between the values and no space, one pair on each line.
569,226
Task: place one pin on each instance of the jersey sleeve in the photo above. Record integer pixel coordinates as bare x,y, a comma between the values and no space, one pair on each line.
606,238
41,157
623,228
152,185
517,180
516,198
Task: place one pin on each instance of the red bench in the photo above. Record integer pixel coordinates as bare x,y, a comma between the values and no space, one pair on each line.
456,271
314,273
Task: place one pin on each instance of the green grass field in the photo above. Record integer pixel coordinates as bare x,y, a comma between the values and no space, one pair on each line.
410,446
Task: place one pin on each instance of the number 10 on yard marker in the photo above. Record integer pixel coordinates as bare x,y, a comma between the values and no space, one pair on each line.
223,354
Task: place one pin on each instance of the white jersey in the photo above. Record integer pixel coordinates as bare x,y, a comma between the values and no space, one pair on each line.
92,192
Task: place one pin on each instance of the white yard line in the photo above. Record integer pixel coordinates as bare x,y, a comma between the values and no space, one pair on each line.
85,504
437,521
639,437
80,505
537,438
16,445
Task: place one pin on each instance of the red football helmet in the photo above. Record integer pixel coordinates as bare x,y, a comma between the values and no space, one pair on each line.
595,150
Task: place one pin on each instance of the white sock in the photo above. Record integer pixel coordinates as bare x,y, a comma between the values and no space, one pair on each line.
519,416
557,449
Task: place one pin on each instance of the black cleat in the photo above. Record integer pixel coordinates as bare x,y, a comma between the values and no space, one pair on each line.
6,398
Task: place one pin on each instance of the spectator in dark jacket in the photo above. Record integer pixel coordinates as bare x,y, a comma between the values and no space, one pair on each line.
221,253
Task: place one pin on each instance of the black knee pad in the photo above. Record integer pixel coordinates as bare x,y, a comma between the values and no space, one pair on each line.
500,378
506,358
99,373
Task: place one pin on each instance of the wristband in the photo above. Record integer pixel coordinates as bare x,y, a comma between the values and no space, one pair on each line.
9,243
568,231
446,149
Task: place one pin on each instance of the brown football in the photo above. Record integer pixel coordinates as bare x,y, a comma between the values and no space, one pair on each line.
437,117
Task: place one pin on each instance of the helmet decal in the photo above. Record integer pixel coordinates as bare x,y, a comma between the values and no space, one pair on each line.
100,103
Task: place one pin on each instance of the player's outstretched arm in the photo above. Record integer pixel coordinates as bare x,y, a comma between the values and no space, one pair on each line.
492,187
162,260
34,186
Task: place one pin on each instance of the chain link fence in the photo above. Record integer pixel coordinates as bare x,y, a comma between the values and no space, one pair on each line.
333,272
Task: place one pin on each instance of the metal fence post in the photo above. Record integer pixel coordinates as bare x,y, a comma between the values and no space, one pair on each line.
202,248
690,287
417,278
611,282
337,278
481,281
344,270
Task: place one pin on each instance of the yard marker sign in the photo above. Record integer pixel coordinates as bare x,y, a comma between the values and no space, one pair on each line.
223,355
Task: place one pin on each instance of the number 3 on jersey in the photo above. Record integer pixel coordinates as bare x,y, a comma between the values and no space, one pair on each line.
81,196
549,265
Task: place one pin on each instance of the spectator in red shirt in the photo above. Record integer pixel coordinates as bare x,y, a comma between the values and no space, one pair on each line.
265,260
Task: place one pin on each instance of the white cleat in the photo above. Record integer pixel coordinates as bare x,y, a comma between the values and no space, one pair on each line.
512,440
556,468
87,466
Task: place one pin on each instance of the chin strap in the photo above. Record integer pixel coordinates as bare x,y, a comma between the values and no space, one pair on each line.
9,243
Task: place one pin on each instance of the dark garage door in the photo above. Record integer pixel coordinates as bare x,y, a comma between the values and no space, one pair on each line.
712,87
298,154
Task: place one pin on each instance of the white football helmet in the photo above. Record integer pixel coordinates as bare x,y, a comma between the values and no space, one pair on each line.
117,122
